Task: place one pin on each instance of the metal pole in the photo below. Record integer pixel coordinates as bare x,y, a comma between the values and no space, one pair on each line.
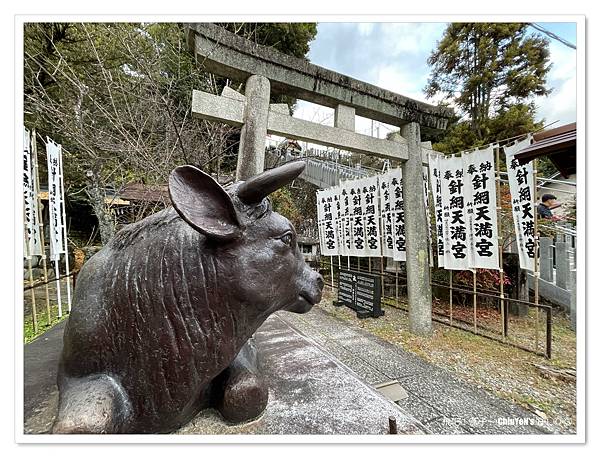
500,240
331,265
58,298
28,257
64,217
451,275
536,273
396,263
549,333
475,299
40,222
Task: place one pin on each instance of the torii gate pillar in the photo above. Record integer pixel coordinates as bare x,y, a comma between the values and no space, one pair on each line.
417,249
251,155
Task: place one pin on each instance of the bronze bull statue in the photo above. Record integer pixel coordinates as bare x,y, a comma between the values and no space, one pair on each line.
163,315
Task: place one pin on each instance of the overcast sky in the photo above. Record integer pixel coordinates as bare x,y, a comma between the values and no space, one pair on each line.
394,56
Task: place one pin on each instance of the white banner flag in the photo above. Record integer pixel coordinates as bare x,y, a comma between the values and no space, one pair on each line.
522,192
480,198
328,223
436,191
30,197
320,204
346,220
397,205
387,215
358,227
456,235
427,213
337,226
370,211
55,199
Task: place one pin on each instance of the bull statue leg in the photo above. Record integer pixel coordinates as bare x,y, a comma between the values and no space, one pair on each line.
240,393
91,405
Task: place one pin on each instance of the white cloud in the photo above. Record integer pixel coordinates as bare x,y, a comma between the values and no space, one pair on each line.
561,104
365,28
412,38
394,56
402,81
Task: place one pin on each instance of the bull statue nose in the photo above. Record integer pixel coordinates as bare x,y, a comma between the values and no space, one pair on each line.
320,281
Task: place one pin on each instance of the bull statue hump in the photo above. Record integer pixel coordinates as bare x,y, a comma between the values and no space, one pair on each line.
163,315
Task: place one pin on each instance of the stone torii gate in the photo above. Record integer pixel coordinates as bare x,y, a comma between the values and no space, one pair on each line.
267,71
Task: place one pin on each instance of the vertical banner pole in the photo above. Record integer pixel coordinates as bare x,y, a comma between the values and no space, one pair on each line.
475,299
339,267
381,237
64,234
40,222
536,260
451,290
500,239
358,263
396,262
58,295
381,275
28,257
331,265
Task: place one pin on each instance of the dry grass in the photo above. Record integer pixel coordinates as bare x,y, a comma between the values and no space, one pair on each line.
503,370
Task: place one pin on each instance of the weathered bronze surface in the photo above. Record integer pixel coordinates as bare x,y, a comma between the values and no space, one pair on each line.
163,316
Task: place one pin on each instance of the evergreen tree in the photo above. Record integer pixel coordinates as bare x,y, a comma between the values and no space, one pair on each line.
485,69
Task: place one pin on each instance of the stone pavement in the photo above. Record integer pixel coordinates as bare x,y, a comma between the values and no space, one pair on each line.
443,403
320,371
310,392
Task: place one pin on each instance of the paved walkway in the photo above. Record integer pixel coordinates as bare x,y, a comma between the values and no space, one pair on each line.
439,400
310,392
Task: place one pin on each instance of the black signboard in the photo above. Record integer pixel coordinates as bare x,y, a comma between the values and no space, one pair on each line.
360,291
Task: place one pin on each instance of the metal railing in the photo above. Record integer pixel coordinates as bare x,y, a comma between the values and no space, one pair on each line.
393,283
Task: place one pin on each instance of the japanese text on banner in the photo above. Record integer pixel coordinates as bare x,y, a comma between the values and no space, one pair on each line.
427,213
30,198
456,234
480,195
387,216
436,191
329,233
55,199
370,211
397,205
522,192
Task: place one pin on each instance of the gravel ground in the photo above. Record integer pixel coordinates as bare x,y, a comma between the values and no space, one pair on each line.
502,370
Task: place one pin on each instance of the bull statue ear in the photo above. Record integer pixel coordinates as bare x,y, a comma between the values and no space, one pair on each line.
203,203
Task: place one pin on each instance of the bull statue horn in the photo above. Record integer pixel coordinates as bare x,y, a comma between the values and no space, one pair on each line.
255,189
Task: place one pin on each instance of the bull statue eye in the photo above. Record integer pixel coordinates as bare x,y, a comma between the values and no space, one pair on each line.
287,238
